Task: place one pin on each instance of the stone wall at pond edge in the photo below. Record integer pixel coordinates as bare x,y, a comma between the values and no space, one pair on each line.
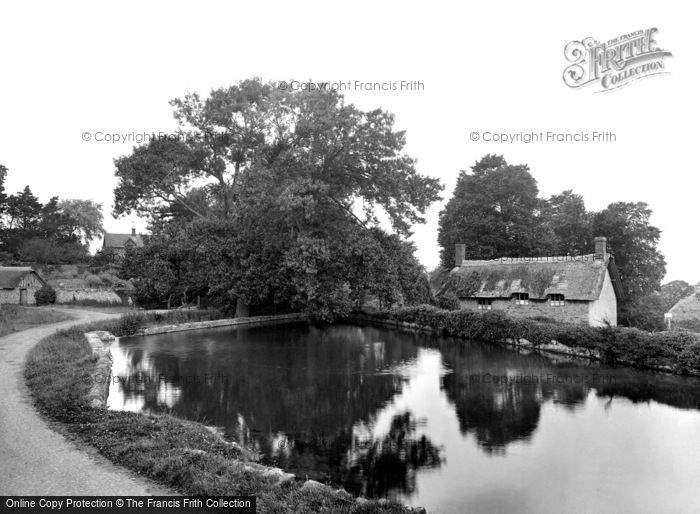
276,319
100,342
101,296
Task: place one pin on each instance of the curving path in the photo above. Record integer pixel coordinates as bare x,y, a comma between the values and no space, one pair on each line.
35,460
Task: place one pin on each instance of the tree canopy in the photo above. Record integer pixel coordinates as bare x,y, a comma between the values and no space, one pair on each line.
55,232
277,197
311,145
494,211
634,241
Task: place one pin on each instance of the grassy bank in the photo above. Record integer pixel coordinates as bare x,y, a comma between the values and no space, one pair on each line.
14,318
178,453
677,351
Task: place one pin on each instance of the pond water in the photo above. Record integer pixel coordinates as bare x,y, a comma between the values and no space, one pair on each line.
450,425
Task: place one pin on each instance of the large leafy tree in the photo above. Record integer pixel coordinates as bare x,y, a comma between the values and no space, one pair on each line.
634,241
675,291
170,269
286,190
46,233
569,222
312,143
81,219
495,211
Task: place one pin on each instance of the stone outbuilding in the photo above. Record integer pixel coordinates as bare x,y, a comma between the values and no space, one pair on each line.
18,285
573,289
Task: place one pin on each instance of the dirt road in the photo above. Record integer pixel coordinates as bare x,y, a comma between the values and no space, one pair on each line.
35,460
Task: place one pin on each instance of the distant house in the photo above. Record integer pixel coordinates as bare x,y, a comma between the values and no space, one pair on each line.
119,243
18,285
573,289
686,313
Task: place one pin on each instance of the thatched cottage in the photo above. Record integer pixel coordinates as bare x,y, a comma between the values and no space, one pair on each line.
119,243
18,285
573,289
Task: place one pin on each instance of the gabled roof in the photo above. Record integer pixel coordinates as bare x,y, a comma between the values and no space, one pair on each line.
577,278
688,307
10,276
120,240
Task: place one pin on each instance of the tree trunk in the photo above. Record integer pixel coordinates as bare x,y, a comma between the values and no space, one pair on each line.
242,309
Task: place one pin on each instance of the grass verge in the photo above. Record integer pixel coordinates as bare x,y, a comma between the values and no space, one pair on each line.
106,308
14,318
181,454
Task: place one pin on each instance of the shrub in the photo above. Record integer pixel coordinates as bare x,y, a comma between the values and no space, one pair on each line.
689,357
45,295
646,313
448,301
104,257
109,279
129,324
92,280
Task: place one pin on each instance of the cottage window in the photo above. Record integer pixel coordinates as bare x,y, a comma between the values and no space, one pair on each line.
484,304
556,300
521,299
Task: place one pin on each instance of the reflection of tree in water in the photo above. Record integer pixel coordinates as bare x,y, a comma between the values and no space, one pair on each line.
497,393
299,395
500,413
296,396
495,416
636,386
304,380
379,466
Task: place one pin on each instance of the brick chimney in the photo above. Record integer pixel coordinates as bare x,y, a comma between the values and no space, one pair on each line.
459,254
133,230
601,245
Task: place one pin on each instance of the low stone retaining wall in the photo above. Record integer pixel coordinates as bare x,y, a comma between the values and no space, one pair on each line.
104,296
100,342
276,319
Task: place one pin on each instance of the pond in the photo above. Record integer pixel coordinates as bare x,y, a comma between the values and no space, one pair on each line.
450,425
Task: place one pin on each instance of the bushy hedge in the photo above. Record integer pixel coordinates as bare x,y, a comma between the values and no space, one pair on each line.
45,295
448,301
678,350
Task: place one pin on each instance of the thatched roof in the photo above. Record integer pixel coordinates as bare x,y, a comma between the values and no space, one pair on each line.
577,278
10,276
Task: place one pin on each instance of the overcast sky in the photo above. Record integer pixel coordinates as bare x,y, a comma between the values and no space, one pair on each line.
112,67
